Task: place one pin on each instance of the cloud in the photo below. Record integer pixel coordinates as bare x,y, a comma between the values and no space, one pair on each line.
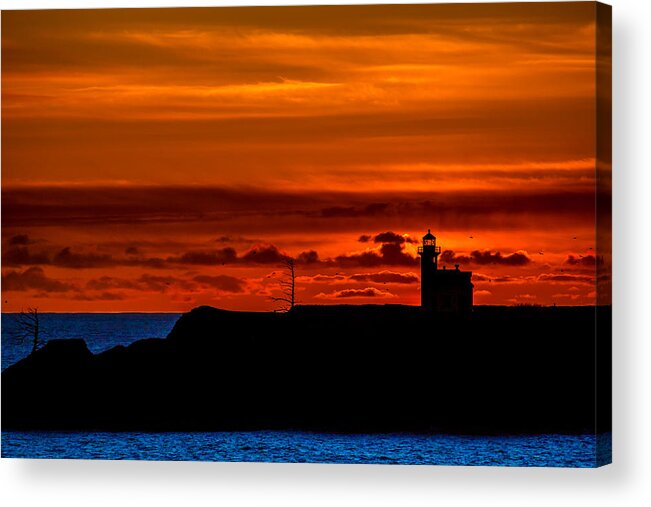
260,254
478,277
486,257
234,239
147,262
322,278
392,251
263,254
66,258
392,237
308,257
22,256
87,205
102,296
156,283
20,239
382,277
483,293
389,254
368,292
33,278
226,255
223,283
385,277
370,210
583,260
567,296
553,277
145,283
109,282
523,297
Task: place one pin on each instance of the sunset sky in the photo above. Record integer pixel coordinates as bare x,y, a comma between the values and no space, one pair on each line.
156,160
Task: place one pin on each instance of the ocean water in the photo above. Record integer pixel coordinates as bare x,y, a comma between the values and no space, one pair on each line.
301,447
103,331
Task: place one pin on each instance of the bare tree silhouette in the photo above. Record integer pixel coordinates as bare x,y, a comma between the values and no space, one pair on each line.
287,284
29,328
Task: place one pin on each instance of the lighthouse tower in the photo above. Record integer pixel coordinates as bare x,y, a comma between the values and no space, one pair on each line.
429,254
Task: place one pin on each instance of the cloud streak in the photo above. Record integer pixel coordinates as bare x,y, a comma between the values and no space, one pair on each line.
33,278
368,292
487,257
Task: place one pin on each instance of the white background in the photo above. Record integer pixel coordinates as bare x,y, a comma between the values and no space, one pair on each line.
626,482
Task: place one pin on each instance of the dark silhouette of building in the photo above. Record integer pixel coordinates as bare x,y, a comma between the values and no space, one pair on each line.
442,290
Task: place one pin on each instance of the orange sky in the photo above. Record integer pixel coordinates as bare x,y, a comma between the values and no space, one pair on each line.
157,159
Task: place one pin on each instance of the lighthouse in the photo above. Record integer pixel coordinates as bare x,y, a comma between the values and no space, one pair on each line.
442,290
429,254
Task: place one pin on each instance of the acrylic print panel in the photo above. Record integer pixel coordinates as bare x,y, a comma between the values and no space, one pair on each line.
351,234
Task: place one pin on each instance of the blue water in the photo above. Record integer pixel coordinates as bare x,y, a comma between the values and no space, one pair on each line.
103,331
298,447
